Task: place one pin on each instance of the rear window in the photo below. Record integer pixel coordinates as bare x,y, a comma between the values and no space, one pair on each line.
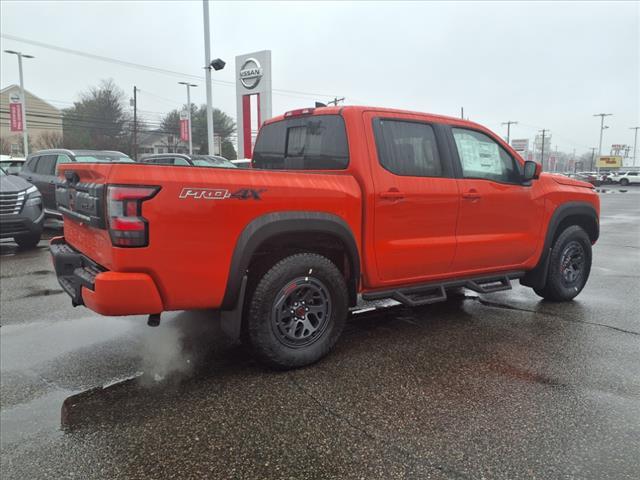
307,143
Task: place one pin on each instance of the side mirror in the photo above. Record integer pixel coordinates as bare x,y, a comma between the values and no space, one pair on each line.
532,170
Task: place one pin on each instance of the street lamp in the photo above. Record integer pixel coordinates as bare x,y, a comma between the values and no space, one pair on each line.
602,128
189,85
25,140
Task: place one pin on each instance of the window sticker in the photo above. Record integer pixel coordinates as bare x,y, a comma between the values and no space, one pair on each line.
478,156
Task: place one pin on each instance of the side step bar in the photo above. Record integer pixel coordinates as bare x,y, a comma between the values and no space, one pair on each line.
437,291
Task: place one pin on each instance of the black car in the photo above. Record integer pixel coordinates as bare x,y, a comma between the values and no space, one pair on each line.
40,169
181,159
21,211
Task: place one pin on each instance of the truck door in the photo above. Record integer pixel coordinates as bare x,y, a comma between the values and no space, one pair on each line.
416,198
500,218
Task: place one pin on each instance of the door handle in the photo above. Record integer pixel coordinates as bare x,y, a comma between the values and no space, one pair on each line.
471,194
392,194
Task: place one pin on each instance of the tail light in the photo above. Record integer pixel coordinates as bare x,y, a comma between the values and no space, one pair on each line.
127,226
299,112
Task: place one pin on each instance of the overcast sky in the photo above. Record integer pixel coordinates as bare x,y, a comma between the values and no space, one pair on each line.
544,64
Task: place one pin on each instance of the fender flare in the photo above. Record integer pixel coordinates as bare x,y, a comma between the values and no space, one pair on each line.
267,226
537,278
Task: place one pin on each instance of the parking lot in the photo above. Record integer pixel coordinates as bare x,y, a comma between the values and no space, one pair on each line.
491,386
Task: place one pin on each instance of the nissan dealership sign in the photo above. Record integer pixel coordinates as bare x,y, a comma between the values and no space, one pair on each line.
253,97
250,73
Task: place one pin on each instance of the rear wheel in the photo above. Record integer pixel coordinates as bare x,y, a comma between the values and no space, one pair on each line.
569,265
297,311
28,241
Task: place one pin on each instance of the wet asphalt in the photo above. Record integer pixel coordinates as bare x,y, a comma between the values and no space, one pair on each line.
492,386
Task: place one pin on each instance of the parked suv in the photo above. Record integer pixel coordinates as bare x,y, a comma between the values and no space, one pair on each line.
21,214
40,169
180,159
626,178
341,203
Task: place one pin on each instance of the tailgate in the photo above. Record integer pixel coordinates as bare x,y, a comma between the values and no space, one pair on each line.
80,195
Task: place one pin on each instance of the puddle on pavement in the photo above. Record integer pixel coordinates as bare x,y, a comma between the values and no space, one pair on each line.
25,345
38,417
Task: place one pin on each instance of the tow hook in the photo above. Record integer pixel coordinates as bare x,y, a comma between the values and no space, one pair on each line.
153,320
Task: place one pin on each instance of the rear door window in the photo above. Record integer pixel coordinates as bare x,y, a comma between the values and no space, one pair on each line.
407,148
305,143
47,165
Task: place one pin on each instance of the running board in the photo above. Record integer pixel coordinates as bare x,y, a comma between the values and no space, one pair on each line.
437,291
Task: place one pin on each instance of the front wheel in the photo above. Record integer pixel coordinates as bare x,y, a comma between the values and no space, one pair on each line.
569,265
297,311
624,182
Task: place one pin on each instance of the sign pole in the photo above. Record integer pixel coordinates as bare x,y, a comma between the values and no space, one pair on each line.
189,117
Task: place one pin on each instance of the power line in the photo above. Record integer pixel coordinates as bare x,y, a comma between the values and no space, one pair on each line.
102,58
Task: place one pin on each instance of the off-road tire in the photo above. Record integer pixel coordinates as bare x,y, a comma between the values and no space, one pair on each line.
558,288
265,328
28,242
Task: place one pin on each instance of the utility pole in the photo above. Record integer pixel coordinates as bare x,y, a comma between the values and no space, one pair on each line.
508,124
462,113
23,100
335,101
635,144
593,159
207,66
189,85
135,123
544,131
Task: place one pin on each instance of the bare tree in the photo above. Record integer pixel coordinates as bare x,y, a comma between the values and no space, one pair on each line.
50,139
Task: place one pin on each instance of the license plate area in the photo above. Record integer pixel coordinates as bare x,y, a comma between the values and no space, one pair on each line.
81,202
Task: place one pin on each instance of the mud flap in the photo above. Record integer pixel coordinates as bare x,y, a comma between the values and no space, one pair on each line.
231,320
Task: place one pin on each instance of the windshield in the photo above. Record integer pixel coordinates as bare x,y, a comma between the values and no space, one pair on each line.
211,161
103,157
2,172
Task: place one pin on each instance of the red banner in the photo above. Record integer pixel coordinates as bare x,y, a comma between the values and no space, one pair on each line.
184,130
15,112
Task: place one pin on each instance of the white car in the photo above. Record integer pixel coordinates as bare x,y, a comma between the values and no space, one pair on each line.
626,178
11,165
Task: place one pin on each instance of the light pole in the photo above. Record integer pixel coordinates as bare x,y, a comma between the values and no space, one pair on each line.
189,85
602,127
635,144
207,66
25,138
216,64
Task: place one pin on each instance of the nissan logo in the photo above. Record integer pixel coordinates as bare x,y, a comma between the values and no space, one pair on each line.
250,73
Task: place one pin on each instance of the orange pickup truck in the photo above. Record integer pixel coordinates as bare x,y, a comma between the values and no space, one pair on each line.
341,204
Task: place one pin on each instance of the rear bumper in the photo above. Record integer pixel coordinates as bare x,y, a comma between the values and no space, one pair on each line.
104,292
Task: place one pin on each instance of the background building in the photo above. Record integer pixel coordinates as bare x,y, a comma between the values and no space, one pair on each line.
44,123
